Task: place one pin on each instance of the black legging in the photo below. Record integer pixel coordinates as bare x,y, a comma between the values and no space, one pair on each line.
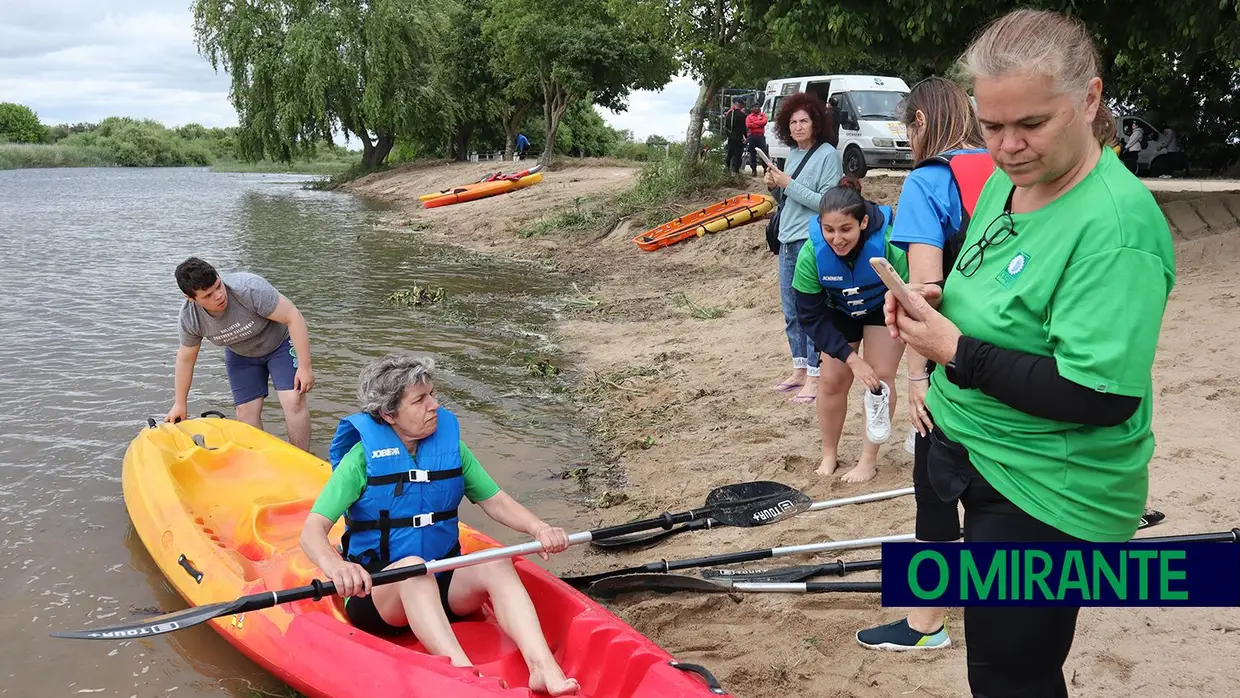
1013,652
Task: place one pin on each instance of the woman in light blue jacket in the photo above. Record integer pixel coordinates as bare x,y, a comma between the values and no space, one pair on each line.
804,124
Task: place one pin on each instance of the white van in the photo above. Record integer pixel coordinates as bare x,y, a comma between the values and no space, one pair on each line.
871,134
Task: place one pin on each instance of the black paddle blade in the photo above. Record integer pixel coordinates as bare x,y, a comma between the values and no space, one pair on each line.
664,583
756,503
637,541
157,625
1152,517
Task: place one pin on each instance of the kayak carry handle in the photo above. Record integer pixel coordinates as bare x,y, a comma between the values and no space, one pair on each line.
150,422
711,681
189,567
213,413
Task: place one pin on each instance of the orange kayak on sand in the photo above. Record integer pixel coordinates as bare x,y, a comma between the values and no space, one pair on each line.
493,177
219,505
481,190
729,213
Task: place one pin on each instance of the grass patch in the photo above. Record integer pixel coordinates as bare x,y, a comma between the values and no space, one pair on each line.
15,156
579,218
327,164
417,296
697,311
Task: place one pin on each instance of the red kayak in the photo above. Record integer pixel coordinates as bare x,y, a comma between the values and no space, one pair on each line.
222,520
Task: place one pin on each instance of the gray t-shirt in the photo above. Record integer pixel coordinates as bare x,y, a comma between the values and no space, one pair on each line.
243,327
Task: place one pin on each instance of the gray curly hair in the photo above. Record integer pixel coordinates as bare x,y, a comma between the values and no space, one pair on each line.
382,382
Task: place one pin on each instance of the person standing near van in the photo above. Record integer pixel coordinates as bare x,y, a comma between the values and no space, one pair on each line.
263,335
802,124
755,124
935,206
734,126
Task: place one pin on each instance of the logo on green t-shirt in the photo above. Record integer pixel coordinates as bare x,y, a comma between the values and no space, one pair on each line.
1008,275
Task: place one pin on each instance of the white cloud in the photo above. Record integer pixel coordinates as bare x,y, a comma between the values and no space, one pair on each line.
84,60
664,113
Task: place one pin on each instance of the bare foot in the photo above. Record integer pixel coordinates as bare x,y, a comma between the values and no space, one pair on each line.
863,472
552,681
828,465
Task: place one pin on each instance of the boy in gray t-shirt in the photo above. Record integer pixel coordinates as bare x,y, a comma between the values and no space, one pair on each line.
264,337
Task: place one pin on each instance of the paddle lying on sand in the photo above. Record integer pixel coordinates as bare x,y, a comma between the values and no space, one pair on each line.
666,583
745,504
664,566
799,573
787,574
641,540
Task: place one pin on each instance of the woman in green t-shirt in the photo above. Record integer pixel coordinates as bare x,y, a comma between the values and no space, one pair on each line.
839,303
1045,334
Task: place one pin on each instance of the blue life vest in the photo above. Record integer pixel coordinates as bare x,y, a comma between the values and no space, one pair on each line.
408,506
856,291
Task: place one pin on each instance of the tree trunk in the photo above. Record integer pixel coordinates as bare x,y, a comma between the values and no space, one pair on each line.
511,116
554,105
383,147
464,133
693,134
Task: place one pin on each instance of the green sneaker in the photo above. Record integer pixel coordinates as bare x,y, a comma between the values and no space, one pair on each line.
899,637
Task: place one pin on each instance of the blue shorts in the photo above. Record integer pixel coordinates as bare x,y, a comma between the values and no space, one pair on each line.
247,375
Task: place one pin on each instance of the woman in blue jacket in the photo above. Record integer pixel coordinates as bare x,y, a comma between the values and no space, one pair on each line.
839,301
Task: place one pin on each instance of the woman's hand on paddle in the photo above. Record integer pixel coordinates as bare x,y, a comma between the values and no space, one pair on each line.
863,371
935,337
350,578
553,538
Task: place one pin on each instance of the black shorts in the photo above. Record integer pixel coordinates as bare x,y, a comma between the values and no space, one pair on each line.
363,615
853,328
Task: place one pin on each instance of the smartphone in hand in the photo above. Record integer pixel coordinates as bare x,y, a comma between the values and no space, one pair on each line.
893,282
762,154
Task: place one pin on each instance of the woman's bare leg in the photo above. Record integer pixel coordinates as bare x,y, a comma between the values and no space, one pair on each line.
883,354
833,386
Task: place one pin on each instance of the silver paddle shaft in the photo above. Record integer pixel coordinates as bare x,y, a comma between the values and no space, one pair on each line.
810,548
490,554
860,499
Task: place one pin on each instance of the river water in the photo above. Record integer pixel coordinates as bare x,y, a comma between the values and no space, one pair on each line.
88,335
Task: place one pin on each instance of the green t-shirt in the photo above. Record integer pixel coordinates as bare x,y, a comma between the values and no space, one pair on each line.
1085,280
805,275
346,483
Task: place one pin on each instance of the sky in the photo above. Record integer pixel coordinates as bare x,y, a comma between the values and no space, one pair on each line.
83,60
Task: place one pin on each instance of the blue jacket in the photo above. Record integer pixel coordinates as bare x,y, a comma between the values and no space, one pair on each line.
409,505
852,285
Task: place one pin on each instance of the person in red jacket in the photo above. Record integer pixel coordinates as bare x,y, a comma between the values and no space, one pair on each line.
755,123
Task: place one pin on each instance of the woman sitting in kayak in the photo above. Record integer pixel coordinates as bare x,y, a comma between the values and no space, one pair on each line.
401,509
839,300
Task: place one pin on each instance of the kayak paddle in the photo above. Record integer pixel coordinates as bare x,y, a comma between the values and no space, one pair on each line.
744,504
666,583
798,573
642,540
664,566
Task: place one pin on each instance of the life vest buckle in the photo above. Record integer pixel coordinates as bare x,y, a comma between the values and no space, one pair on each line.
851,291
423,520
416,475
857,302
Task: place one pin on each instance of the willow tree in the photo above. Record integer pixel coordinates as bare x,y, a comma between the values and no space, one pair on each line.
304,70
568,49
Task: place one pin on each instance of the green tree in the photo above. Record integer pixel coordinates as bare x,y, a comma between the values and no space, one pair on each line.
302,71
19,124
568,49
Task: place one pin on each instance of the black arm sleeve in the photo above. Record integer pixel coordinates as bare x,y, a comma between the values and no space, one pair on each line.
1032,384
812,314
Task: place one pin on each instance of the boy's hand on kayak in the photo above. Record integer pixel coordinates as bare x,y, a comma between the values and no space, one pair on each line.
350,578
177,413
553,538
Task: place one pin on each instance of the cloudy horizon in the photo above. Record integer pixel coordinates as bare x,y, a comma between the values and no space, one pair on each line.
76,61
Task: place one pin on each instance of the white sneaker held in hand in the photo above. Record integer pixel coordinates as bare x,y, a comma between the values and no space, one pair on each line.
878,415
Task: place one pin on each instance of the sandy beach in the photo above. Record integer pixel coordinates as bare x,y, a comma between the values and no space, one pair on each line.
675,352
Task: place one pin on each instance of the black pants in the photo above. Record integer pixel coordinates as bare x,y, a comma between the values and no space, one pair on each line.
1013,652
735,153
757,143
